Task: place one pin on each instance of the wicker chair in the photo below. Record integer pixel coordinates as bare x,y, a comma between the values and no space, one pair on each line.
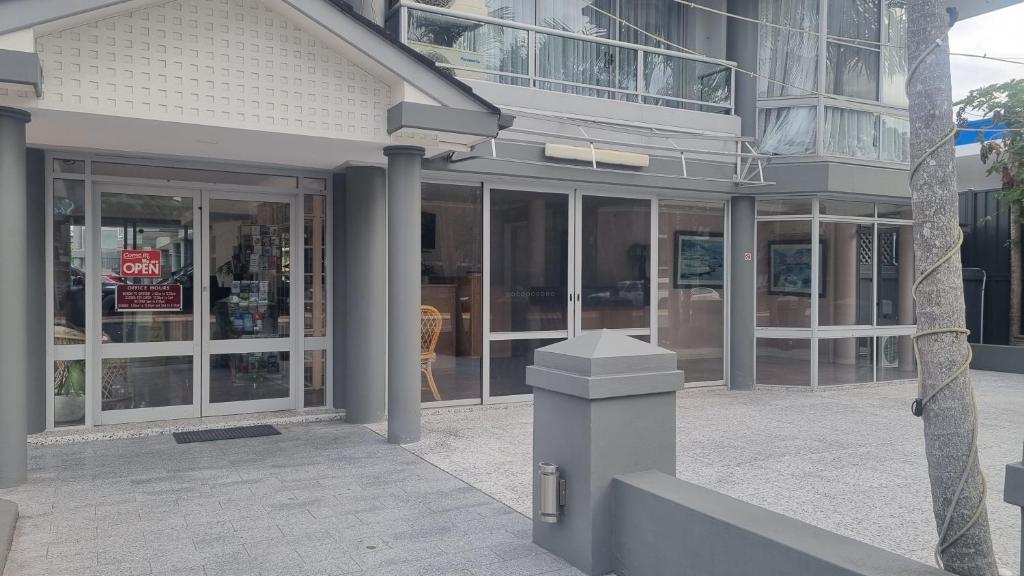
430,332
115,386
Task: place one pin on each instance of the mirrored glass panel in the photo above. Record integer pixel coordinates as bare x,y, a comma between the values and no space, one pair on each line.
509,359
783,362
845,361
248,376
615,291
895,275
691,286
896,358
69,262
250,267
147,267
130,383
529,261
784,281
314,244
848,262
451,292
314,378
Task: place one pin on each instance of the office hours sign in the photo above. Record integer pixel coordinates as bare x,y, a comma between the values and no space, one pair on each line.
145,297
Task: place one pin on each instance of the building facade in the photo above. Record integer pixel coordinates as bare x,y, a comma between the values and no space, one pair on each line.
230,206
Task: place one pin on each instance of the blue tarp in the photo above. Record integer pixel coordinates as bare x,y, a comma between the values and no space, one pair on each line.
971,136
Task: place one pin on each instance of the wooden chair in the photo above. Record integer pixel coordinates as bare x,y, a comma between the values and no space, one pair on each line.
430,332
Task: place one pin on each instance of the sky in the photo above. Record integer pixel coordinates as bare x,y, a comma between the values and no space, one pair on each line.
995,34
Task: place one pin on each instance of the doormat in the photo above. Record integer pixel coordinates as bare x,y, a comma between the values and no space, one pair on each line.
225,434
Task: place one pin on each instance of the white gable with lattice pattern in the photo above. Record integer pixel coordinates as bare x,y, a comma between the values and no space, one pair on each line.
231,63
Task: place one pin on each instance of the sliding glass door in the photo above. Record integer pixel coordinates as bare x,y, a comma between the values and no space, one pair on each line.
560,263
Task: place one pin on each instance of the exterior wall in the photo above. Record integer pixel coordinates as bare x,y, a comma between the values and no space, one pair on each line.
209,63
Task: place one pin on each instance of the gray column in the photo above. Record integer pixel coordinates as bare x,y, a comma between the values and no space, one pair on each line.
35,273
404,198
14,348
743,275
741,48
364,276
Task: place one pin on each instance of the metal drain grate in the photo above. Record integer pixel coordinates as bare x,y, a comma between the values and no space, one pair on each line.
225,434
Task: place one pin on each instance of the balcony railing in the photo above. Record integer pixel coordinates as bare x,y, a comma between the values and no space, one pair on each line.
477,47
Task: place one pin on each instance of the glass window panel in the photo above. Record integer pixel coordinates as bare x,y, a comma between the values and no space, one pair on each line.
845,361
783,362
452,262
843,208
571,61
691,286
674,77
509,359
529,261
894,55
585,17
786,54
847,259
248,376
896,358
69,262
193,175
896,211
784,274
145,222
895,139
69,393
784,207
315,265
515,10
852,133
250,265
470,49
130,383
314,378
895,275
788,131
615,245
852,68
69,166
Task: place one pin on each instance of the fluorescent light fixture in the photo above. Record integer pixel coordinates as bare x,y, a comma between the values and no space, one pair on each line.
599,155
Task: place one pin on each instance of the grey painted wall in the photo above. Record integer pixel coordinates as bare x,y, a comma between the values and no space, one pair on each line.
741,48
998,358
35,272
666,526
742,345
364,274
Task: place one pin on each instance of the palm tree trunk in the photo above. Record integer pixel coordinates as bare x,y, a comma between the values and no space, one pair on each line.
949,417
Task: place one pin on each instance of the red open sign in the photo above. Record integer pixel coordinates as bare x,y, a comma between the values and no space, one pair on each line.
140,263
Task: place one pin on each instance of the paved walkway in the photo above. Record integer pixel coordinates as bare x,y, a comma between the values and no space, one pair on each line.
321,499
849,460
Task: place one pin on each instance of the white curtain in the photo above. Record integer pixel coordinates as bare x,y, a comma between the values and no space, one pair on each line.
788,131
852,70
851,133
894,57
788,56
895,139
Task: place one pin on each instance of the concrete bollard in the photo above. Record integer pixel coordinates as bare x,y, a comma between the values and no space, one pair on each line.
604,404
1013,493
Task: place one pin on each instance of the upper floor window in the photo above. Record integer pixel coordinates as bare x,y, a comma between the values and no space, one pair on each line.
809,97
582,54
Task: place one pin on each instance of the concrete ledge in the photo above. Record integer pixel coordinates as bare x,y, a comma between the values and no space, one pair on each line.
998,358
1013,491
663,525
8,519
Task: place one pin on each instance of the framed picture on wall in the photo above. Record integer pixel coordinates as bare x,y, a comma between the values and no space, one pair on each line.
790,268
699,260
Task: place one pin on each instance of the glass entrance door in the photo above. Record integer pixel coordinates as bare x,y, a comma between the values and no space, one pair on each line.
613,264
148,330
249,310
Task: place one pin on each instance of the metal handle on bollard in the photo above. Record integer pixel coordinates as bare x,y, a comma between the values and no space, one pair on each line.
552,493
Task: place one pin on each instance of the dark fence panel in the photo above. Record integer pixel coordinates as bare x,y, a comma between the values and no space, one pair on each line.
985,220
